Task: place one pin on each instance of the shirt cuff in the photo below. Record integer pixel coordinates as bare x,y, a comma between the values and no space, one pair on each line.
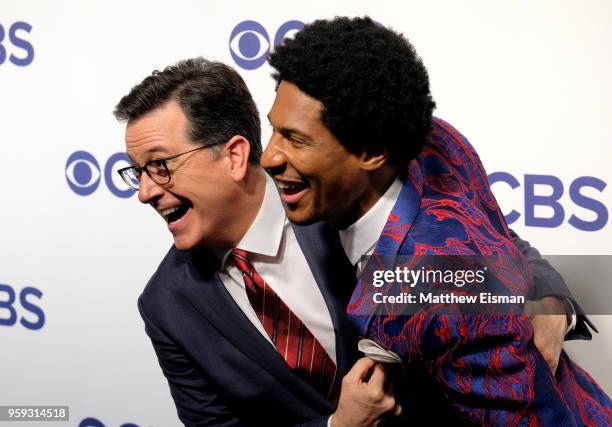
573,319
329,420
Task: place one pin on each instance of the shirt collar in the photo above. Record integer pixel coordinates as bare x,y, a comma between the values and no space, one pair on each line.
361,237
266,232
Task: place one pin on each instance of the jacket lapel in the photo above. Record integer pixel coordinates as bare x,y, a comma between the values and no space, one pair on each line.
389,245
403,214
203,288
335,277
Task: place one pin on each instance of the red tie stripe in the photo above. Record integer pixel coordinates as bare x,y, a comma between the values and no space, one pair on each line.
293,340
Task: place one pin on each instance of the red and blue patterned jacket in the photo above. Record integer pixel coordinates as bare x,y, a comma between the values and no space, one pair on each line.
473,369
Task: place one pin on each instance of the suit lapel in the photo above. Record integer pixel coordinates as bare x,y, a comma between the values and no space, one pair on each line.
335,277
403,214
388,246
204,290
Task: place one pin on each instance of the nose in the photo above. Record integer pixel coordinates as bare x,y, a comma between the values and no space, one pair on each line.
149,190
274,157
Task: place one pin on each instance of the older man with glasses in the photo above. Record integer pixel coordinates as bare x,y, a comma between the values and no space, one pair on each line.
246,311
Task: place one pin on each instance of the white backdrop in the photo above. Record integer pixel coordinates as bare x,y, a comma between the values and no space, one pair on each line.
527,82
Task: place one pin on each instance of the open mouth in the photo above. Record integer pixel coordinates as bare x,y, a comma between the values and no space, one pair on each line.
175,213
292,191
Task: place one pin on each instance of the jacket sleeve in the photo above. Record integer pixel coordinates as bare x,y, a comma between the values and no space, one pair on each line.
197,403
547,281
486,367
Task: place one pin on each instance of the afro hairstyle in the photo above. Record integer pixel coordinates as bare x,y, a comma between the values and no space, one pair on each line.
373,86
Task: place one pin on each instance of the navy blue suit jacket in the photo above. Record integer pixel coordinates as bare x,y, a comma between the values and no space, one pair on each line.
220,369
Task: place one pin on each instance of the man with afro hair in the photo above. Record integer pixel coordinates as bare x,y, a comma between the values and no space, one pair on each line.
354,142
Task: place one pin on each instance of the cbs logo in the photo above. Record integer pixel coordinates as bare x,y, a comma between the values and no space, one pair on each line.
83,174
94,422
546,191
249,42
12,300
16,41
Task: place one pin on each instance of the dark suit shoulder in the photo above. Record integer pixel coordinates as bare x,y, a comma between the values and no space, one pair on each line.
168,275
176,267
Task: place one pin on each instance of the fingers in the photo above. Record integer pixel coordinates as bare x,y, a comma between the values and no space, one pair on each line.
552,360
376,387
398,410
363,399
377,380
554,366
550,363
548,336
360,370
550,352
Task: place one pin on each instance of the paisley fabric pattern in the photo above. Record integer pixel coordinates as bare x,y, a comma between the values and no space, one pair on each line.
484,367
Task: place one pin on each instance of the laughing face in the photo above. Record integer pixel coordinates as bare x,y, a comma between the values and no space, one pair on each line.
194,203
318,178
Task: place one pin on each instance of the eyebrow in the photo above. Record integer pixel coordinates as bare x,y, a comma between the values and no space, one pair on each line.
290,131
156,148
131,159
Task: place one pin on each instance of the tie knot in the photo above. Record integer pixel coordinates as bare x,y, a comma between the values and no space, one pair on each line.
240,253
250,276
241,259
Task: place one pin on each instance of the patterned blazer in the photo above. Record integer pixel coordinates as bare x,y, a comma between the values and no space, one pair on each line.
473,369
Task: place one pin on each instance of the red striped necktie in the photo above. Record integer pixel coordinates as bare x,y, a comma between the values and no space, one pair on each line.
295,343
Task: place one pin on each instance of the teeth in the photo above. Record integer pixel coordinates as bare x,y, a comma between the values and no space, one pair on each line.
285,186
168,211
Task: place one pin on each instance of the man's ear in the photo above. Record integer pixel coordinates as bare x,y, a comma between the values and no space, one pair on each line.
238,150
371,161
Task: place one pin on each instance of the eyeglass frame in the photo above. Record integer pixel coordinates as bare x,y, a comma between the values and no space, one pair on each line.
161,162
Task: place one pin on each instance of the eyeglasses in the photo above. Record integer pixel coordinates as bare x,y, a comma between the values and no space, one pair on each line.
156,169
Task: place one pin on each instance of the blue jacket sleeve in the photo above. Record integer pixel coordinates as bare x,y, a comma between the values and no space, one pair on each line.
197,404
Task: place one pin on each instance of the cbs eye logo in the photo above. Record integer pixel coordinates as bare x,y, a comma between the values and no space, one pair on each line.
83,174
250,43
94,422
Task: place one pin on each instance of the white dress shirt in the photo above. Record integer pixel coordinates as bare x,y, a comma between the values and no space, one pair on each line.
359,239
276,255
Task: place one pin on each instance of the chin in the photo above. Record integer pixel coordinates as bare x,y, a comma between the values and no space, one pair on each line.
184,244
301,218
181,246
